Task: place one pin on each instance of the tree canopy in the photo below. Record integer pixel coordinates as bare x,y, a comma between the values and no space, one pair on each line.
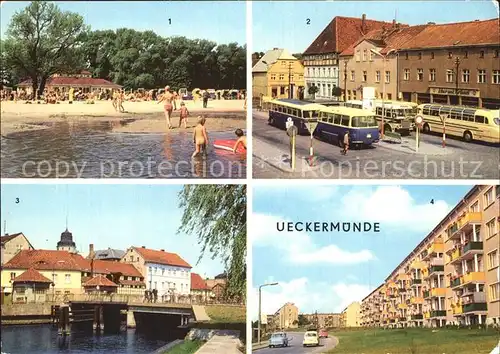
41,40
217,215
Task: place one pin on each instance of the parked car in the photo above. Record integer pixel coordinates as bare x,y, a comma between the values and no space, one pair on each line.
278,339
323,333
311,339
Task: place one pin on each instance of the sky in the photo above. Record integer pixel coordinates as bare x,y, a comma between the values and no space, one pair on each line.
283,24
325,272
222,22
115,216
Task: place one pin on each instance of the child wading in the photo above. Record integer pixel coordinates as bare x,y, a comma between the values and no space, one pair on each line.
346,143
200,137
184,114
242,140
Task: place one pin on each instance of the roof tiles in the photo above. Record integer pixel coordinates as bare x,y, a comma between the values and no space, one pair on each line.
162,257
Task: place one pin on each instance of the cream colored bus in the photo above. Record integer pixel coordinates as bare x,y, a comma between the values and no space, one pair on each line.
467,123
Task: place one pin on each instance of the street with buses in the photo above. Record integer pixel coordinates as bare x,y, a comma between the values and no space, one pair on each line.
443,142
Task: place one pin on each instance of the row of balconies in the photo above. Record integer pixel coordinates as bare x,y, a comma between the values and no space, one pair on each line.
464,223
469,249
435,292
471,277
434,313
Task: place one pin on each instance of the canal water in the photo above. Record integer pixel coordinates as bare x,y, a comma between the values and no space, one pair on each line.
44,339
93,150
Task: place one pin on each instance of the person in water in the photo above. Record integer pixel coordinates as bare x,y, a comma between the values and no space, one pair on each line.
242,140
169,106
200,137
184,114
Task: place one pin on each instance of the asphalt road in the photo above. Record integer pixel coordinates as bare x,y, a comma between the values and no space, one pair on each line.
465,160
295,345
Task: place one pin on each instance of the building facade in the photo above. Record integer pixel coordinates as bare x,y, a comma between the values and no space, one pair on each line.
371,308
286,317
324,320
322,67
166,272
452,276
351,316
12,244
429,63
278,75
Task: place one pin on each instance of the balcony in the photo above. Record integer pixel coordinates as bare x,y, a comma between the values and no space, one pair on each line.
455,255
474,277
417,300
427,315
475,307
452,231
417,317
436,247
455,282
416,282
425,273
457,310
436,269
427,294
438,292
402,306
471,249
438,313
466,222
417,265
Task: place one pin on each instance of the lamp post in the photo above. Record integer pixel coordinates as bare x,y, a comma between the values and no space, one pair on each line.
345,80
457,65
260,314
384,57
290,80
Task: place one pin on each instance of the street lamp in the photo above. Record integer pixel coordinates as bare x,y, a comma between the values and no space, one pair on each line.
260,314
384,57
457,65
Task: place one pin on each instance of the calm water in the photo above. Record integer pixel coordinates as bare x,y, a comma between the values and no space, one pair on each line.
92,150
44,339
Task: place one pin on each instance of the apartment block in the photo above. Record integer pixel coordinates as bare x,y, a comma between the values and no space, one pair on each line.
286,317
451,277
351,316
324,320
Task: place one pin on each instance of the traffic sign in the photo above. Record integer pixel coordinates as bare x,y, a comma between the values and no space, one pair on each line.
289,122
312,126
419,120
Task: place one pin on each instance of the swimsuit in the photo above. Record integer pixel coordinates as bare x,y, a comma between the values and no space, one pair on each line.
168,107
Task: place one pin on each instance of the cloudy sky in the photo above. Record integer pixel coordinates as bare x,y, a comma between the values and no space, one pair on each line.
325,272
107,215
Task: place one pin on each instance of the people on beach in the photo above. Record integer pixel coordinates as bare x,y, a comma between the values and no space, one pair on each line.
242,140
346,143
184,114
121,98
169,106
200,137
206,96
115,100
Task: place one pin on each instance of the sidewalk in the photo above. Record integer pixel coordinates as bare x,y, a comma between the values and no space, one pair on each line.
200,315
226,342
280,158
408,145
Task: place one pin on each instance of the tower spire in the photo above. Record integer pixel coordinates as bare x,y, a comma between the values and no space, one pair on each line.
5,227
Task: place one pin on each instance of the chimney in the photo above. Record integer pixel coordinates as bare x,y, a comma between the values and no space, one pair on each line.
363,23
91,248
393,23
143,246
162,250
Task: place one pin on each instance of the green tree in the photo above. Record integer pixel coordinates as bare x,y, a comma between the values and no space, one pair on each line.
336,91
313,90
303,321
41,40
217,215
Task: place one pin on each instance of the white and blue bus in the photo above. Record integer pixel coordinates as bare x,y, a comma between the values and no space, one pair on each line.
334,122
301,113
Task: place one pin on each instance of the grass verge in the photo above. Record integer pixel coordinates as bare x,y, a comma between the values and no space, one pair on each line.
415,341
226,314
186,347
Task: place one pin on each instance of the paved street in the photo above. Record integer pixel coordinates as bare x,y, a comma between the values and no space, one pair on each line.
460,160
295,345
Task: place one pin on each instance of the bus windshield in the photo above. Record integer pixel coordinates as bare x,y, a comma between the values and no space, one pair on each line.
364,122
405,112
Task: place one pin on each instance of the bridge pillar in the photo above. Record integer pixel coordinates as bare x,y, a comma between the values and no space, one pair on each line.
63,325
130,319
112,319
98,320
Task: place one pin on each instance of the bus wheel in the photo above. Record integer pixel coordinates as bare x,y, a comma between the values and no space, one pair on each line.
427,128
468,136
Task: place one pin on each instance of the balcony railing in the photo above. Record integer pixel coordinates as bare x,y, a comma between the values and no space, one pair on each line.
474,277
475,307
417,317
437,262
475,297
436,268
457,310
437,292
469,219
455,282
438,313
455,255
417,300
427,293
472,246
416,282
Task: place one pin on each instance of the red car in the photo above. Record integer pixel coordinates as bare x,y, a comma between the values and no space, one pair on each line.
323,333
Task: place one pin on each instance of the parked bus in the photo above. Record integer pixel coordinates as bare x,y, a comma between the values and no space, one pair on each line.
301,113
467,123
399,116
333,122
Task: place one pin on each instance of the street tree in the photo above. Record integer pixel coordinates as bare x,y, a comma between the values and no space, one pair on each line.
217,215
313,90
41,40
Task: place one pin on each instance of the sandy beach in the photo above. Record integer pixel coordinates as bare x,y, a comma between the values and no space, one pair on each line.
147,116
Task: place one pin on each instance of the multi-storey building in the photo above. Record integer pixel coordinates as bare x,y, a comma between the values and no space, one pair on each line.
286,317
12,244
452,276
278,74
454,63
321,58
166,272
324,320
371,307
351,316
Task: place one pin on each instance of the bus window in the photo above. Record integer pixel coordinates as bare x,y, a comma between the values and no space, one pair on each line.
426,110
330,118
468,117
344,121
481,119
313,114
379,111
434,111
336,119
364,122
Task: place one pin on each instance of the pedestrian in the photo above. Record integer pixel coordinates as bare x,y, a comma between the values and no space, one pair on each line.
155,295
206,95
346,143
145,296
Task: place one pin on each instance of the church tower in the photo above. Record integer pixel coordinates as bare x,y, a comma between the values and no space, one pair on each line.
66,243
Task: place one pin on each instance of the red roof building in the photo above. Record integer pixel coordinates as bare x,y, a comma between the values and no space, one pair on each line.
31,276
162,257
48,260
99,280
197,283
